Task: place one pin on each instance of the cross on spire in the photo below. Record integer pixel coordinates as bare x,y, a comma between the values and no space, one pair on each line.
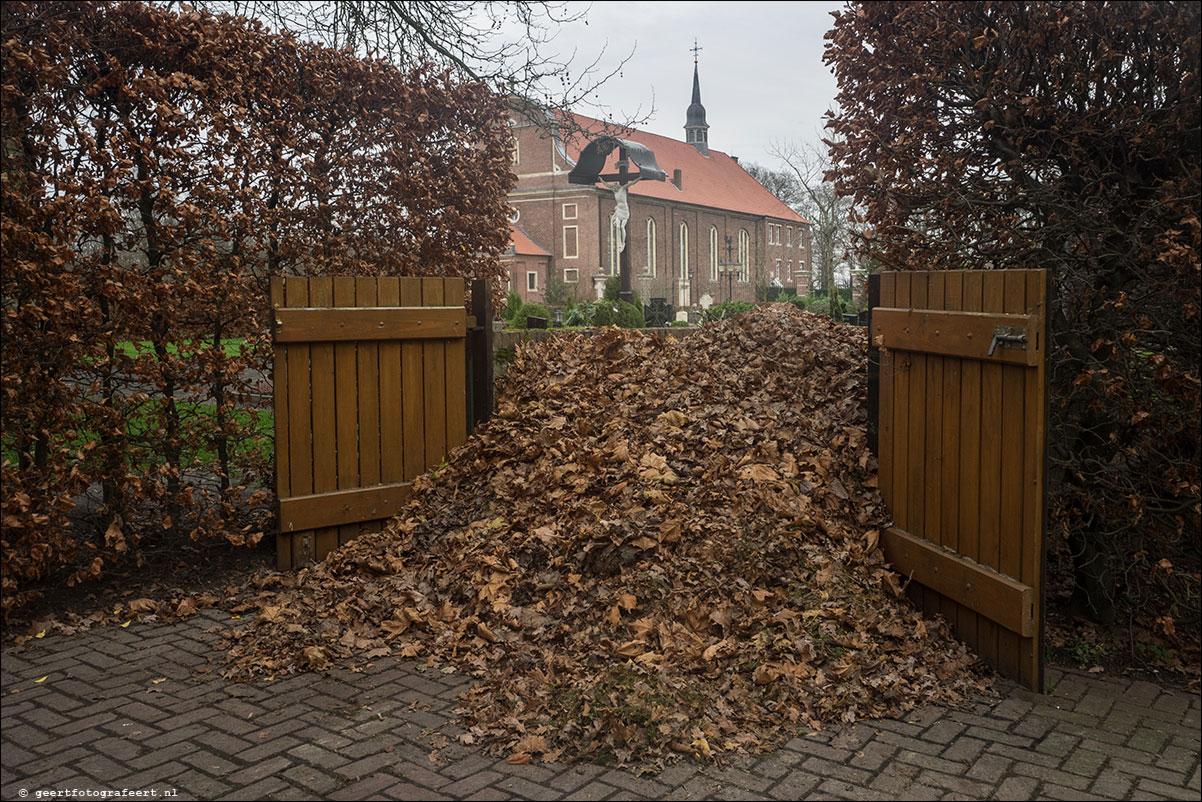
695,50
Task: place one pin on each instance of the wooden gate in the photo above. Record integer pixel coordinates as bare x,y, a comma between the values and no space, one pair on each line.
370,392
961,385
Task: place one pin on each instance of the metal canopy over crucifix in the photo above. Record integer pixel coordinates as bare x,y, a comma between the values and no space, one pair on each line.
588,171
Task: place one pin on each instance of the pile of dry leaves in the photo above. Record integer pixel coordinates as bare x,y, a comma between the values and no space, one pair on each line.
656,546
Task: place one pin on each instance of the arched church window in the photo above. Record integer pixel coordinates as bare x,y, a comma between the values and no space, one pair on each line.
649,267
744,254
713,253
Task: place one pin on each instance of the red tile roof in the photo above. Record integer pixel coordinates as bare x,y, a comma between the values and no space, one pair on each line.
716,181
522,243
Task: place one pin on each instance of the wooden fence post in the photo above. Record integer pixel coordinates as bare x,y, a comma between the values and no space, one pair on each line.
480,348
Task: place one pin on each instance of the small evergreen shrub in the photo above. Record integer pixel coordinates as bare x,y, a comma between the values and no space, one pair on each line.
527,311
630,316
513,304
724,310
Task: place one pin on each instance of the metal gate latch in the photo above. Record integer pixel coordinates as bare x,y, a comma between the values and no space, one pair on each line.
1008,337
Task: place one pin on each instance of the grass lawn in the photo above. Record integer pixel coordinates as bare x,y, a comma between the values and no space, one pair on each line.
233,347
198,420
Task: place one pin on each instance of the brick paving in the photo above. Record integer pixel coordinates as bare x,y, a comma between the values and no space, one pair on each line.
125,709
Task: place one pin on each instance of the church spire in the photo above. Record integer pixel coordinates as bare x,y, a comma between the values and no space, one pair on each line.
696,131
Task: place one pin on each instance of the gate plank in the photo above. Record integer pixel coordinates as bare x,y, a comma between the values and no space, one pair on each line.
347,405
955,333
300,413
936,603
369,398
918,411
993,299
456,374
279,380
1010,542
368,322
342,507
899,503
917,407
434,363
413,408
392,447
325,449
1034,495
885,427
948,500
987,592
969,506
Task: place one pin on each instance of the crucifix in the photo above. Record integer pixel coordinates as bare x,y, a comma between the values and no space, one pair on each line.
620,217
588,171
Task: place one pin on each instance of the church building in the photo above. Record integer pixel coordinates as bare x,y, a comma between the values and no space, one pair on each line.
708,234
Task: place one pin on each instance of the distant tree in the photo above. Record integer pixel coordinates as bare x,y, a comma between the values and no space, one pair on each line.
557,295
829,213
1061,135
781,183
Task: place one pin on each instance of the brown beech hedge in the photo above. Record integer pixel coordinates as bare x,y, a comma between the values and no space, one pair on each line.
1062,136
158,167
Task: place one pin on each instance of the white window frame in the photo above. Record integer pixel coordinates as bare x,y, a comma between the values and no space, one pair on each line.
649,265
744,254
789,236
571,275
571,216
684,254
714,253
531,281
575,240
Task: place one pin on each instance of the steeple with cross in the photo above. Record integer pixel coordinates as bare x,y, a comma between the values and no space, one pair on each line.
696,130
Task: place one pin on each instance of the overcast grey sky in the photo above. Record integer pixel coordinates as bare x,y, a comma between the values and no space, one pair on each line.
760,64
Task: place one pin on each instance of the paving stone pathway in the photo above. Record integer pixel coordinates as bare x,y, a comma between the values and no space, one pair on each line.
126,710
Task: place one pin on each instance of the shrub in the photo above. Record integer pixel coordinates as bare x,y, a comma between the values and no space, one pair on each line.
819,304
513,304
605,313
613,288
724,310
580,314
558,294
528,311
630,316
771,294
158,168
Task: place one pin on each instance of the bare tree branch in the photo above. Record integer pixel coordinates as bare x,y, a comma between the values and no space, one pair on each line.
506,44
